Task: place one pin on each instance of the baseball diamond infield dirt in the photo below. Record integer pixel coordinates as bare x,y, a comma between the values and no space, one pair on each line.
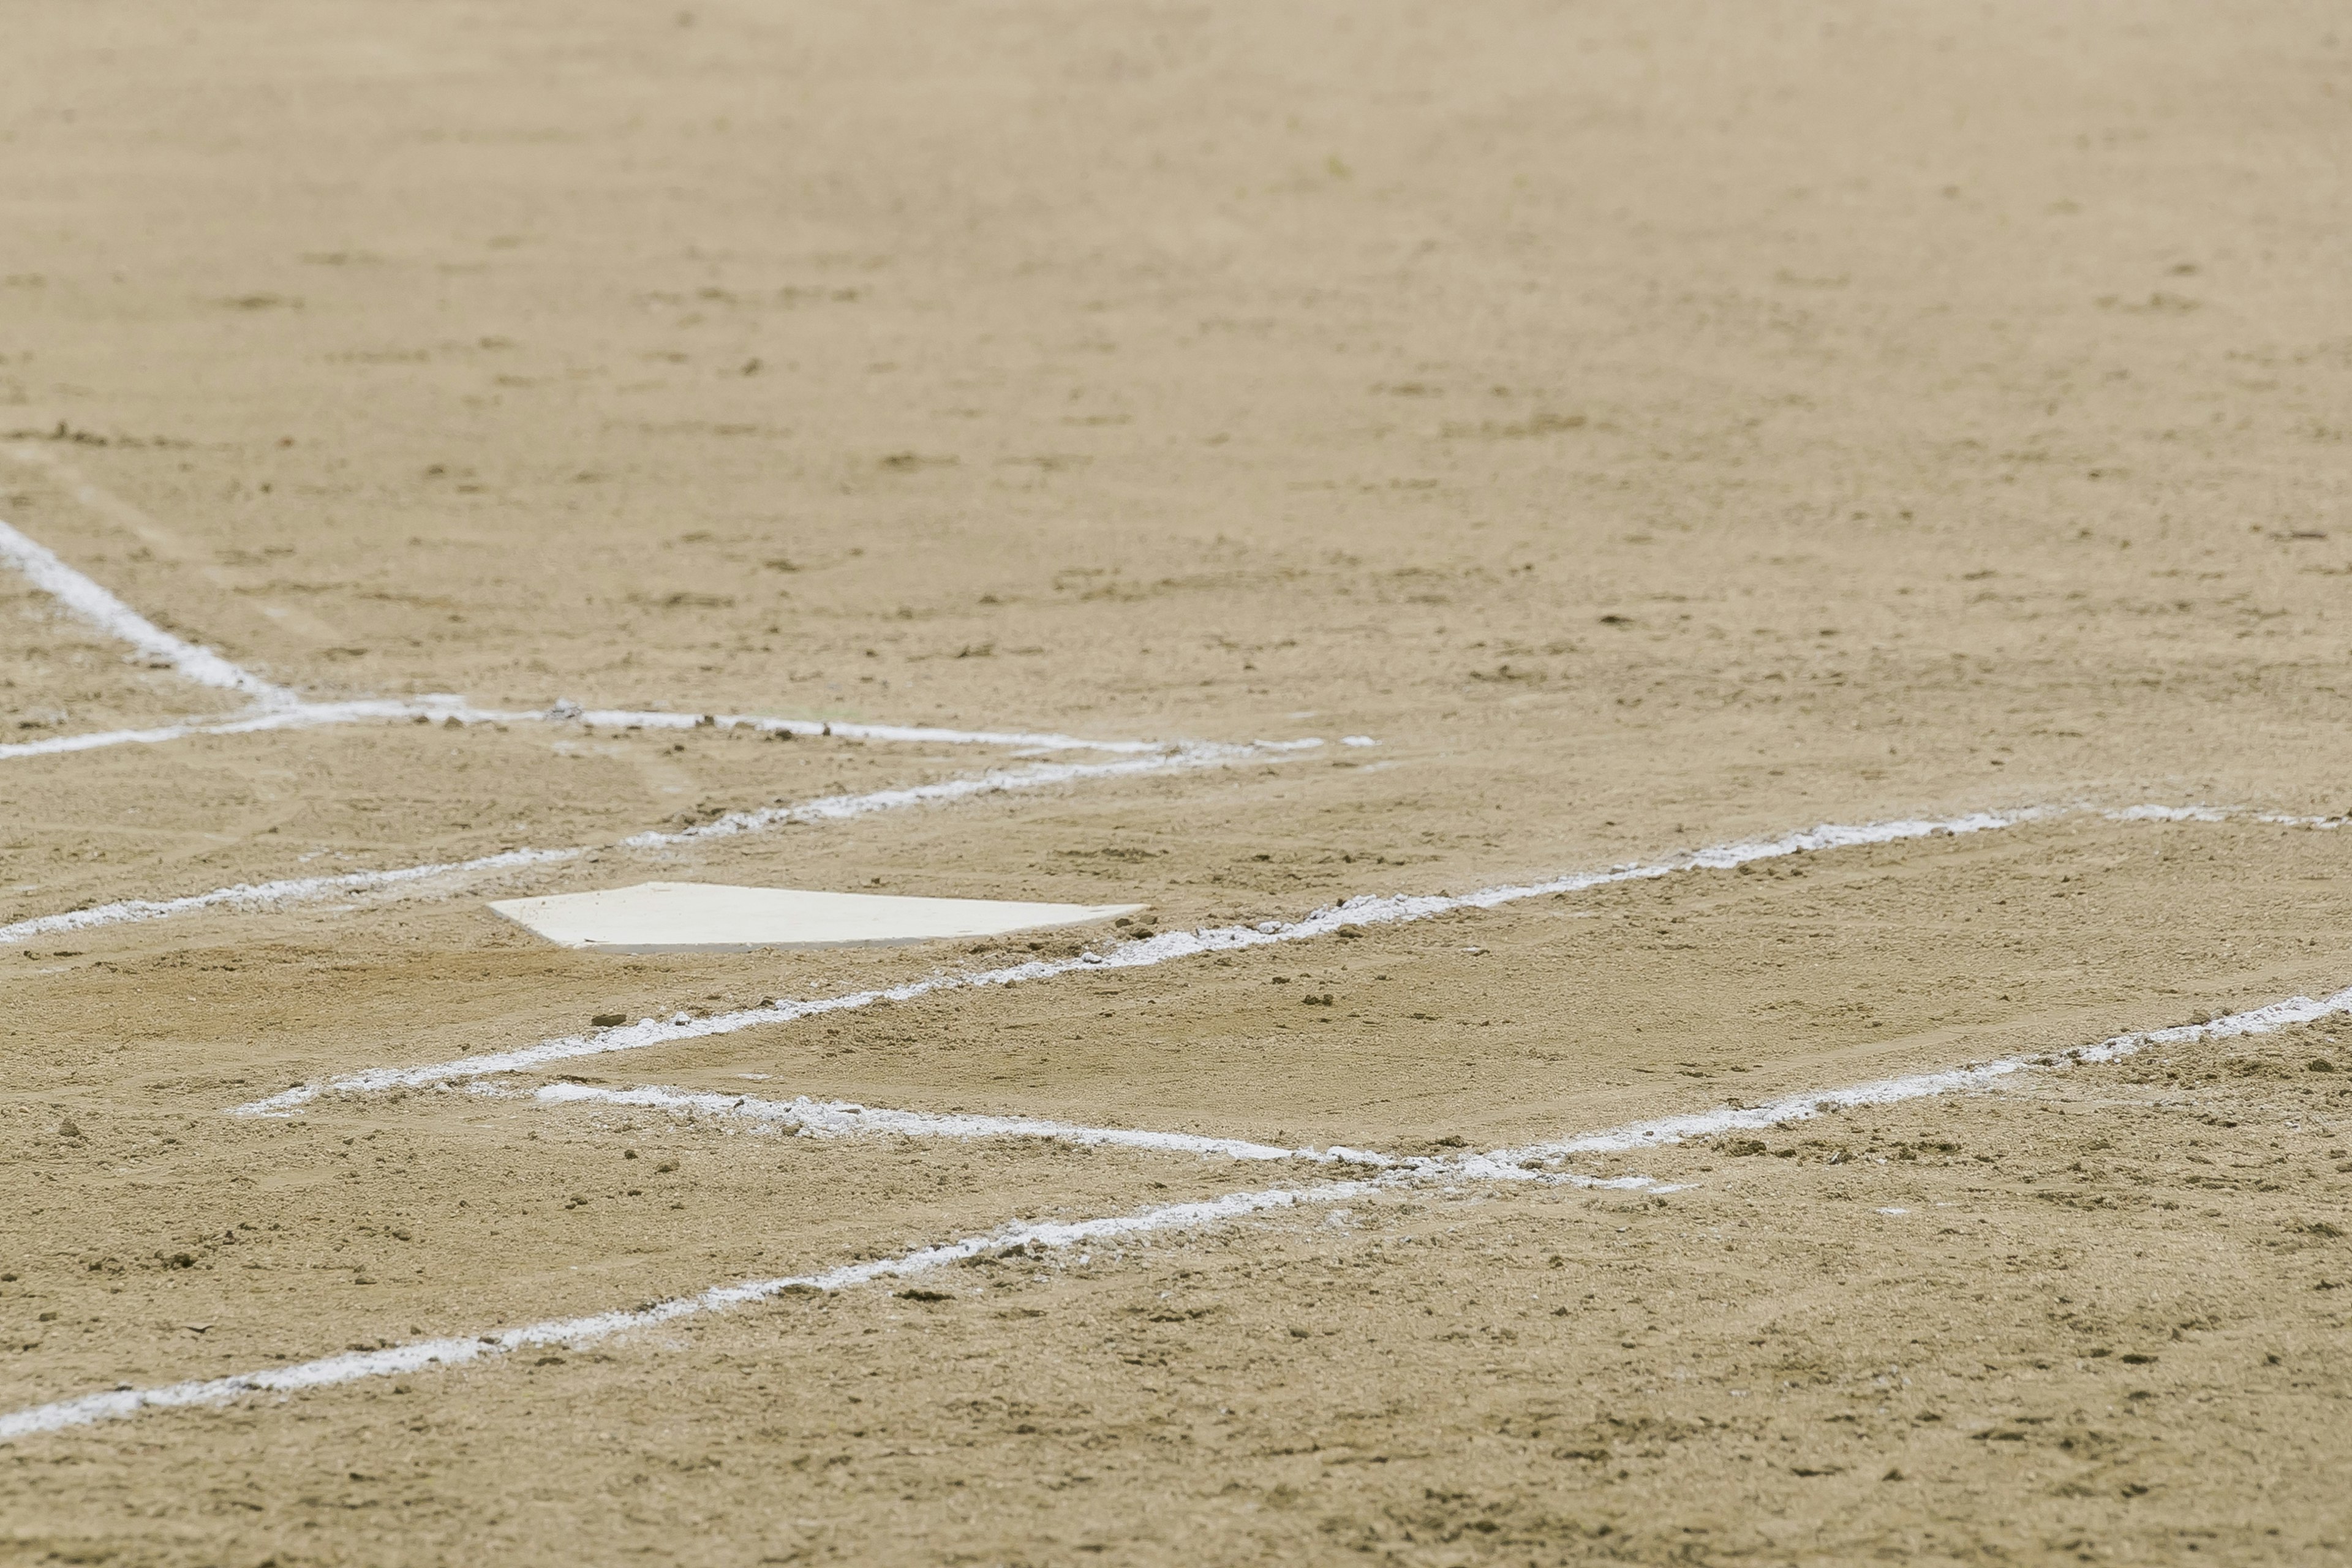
1436,502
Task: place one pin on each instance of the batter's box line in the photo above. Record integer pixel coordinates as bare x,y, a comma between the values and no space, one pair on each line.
445,709
420,1355
276,707
259,897
837,1119
1356,913
828,1119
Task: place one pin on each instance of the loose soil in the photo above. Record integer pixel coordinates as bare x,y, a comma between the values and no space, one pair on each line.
1655,427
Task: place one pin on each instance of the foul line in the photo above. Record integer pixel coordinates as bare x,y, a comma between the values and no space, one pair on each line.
1673,1130
419,1355
807,1118
834,1118
254,897
1169,946
295,713
280,708
85,599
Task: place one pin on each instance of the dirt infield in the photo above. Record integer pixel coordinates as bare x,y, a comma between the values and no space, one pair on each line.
1273,465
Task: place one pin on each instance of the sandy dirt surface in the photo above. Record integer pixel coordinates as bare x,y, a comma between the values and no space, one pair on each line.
1651,428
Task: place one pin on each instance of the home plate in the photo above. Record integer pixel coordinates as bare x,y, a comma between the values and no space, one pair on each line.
705,917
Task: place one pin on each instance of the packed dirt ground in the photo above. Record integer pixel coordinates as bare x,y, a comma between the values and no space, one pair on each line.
1652,426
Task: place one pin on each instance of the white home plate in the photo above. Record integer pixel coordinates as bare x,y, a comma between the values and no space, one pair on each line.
704,917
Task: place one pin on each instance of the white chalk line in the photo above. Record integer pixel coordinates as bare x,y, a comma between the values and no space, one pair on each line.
421,1354
254,897
823,1119
1145,953
807,1117
295,716
1505,1163
82,595
1166,947
298,714
280,708
1671,1129
834,1118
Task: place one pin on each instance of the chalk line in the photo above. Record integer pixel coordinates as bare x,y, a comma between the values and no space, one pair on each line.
1145,953
833,1118
257,896
418,1355
842,1118
298,714
295,716
280,708
624,717
1169,946
84,597
1671,1129
805,1118
809,1118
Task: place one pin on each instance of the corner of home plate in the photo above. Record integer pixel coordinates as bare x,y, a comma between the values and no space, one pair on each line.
705,917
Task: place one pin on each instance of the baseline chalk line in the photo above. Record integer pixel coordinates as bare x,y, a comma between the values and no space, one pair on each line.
834,1118
82,595
418,1355
805,1118
252,896
1164,948
1505,1163
305,715
1140,953
281,708
1672,1130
